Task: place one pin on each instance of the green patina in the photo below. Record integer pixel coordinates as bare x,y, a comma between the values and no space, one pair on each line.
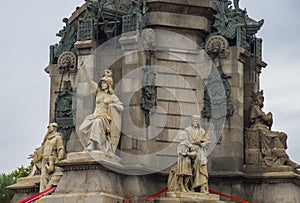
235,24
65,111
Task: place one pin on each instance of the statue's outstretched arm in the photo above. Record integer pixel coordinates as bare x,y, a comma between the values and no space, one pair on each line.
93,85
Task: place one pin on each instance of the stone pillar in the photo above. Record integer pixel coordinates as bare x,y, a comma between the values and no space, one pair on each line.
253,66
133,117
179,86
56,81
228,156
84,100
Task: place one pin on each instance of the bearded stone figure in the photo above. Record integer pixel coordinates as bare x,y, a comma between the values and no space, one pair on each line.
273,143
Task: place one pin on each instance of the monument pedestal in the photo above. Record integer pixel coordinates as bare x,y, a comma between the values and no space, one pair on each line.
25,187
174,197
96,177
90,197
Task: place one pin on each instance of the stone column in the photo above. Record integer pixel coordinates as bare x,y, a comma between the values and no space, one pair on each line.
228,156
84,100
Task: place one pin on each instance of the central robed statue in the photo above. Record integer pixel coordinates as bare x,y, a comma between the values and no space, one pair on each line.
102,128
191,171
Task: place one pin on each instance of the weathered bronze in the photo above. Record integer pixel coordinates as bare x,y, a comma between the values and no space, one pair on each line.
68,38
65,106
235,24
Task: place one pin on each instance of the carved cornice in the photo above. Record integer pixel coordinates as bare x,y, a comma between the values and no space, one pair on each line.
256,177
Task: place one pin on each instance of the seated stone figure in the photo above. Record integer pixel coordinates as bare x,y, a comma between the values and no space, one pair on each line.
273,143
102,128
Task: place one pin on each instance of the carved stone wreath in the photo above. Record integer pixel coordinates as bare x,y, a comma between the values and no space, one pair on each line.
67,61
217,45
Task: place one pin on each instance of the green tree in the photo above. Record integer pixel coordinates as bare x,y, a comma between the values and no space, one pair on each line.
8,179
22,171
5,194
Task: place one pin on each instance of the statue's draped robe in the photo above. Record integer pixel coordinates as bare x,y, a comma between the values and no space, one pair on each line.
49,153
273,144
184,162
200,174
103,126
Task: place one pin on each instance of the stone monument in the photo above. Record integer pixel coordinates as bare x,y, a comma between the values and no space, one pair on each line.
158,63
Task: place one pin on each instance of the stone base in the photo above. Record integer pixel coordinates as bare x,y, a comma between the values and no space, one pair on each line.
277,185
98,197
28,183
263,169
177,197
25,187
95,155
93,175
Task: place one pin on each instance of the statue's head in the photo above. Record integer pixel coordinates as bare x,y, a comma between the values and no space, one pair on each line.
196,120
258,98
106,82
52,127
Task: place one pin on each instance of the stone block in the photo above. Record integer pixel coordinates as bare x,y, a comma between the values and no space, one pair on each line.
230,150
166,80
186,69
177,67
252,139
131,85
131,98
174,108
177,56
233,135
164,66
233,67
168,94
236,80
178,20
127,142
75,199
163,107
250,76
168,135
75,144
171,197
225,163
179,108
83,89
130,42
247,102
237,94
131,58
194,3
235,122
186,95
250,88
169,149
171,122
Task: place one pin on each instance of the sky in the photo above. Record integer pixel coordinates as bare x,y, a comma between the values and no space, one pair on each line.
29,27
